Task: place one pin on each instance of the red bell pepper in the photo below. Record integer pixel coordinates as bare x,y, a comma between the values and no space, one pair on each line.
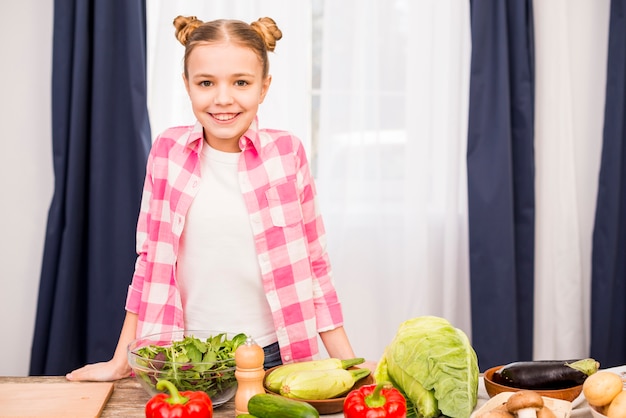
188,404
375,401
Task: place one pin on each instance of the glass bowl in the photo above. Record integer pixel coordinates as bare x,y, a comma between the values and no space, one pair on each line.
190,359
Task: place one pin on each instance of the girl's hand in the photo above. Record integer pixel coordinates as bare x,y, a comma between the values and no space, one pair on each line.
117,367
104,372
368,364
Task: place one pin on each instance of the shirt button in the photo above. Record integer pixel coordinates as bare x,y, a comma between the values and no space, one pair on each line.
287,358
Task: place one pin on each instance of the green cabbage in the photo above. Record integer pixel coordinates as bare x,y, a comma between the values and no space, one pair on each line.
435,367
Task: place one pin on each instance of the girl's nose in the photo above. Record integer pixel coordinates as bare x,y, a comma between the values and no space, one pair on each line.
223,95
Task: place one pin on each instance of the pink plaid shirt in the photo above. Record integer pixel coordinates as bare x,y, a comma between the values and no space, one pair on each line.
288,232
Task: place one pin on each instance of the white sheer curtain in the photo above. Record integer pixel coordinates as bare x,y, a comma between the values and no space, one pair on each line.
571,40
391,145
392,172
287,105
391,149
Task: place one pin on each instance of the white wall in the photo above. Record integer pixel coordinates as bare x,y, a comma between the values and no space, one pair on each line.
26,179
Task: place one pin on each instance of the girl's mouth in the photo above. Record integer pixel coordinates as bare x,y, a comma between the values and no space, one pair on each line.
224,117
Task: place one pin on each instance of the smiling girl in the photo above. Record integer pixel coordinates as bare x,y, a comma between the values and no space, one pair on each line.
229,236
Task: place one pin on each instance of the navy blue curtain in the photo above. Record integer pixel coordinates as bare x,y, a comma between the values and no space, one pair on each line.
100,141
608,281
500,164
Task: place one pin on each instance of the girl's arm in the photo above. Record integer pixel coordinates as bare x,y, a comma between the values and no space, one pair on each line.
117,367
337,343
338,346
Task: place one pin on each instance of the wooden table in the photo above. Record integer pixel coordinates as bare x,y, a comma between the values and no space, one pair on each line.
128,399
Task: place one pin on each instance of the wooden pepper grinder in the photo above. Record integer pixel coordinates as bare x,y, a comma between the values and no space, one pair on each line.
249,358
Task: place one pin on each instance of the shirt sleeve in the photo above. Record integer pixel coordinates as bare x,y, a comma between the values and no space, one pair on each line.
135,290
328,309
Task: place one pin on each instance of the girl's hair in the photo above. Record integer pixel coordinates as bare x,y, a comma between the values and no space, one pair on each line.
260,36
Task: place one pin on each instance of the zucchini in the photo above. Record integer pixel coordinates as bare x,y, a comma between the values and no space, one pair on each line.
275,378
321,384
545,374
264,405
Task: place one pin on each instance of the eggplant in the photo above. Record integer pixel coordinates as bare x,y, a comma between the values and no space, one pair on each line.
545,374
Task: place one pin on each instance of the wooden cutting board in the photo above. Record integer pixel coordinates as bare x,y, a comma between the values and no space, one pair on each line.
47,400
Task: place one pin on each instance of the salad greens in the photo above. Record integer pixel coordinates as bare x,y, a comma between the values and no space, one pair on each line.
435,367
192,364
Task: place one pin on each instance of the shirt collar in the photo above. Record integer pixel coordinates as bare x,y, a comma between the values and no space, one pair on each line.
251,136
195,137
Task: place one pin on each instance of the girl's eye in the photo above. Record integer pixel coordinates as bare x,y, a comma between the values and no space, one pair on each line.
206,83
241,83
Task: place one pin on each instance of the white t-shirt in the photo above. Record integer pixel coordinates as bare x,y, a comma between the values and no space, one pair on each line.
217,269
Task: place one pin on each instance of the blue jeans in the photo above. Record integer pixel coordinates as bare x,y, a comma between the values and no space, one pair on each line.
272,356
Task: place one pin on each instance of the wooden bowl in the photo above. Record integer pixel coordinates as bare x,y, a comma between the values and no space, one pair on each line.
493,388
327,406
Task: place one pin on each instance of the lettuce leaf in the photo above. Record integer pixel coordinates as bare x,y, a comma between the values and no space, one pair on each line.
415,394
434,365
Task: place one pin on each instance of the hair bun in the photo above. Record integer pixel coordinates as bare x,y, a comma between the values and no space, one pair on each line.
267,28
185,25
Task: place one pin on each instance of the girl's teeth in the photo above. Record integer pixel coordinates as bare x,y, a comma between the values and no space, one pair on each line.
224,117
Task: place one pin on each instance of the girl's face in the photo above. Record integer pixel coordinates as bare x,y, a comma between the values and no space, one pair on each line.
226,86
